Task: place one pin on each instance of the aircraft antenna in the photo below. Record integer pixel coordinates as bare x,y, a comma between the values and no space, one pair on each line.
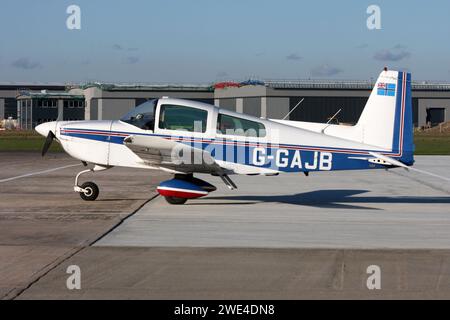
287,115
331,119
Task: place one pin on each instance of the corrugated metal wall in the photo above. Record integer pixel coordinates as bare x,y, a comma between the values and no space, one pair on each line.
320,109
228,103
252,106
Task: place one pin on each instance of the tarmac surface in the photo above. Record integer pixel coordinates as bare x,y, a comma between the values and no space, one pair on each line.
43,221
284,237
353,210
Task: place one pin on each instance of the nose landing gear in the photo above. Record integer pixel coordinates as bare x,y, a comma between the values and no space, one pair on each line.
88,191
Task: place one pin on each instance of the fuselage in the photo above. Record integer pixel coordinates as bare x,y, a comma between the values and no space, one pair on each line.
282,147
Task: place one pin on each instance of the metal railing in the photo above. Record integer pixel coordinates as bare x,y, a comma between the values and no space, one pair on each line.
348,84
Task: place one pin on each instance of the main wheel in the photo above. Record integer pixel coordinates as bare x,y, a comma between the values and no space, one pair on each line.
91,191
176,200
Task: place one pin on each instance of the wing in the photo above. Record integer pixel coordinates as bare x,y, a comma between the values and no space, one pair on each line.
172,155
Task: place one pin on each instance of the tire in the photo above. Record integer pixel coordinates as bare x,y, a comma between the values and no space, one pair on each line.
92,189
175,200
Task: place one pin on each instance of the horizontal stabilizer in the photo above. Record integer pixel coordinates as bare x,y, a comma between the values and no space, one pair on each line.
399,164
388,160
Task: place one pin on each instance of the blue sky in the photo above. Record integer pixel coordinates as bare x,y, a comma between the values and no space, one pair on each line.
202,41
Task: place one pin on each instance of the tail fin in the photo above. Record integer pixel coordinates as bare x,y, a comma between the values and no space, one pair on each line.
386,120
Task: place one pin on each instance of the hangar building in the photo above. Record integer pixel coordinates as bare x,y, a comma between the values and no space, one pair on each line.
33,104
322,99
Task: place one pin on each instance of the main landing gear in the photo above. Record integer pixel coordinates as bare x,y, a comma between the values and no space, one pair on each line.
175,200
184,186
88,191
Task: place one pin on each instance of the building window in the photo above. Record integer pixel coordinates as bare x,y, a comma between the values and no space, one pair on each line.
47,103
71,104
10,108
230,125
175,117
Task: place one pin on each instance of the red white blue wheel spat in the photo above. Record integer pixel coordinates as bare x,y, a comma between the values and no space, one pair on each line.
180,189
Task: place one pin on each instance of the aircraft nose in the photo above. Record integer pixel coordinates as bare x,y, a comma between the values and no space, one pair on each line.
44,128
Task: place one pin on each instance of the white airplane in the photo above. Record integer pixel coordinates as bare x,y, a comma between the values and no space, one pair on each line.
185,137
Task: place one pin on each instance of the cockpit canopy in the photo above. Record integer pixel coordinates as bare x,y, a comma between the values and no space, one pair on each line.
143,116
179,115
171,117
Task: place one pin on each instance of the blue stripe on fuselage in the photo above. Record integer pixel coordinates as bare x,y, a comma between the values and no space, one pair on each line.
195,140
279,158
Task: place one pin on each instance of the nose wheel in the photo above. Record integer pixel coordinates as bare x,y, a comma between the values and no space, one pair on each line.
90,191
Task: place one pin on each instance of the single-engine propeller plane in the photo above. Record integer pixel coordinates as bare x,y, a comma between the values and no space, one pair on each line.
186,137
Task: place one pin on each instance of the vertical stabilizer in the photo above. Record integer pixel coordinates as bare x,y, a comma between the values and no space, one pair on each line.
386,120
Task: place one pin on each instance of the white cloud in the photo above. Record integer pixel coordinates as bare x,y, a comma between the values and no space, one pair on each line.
391,55
325,70
25,63
294,57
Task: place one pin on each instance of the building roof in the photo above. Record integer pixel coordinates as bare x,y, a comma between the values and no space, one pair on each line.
148,87
44,94
25,90
31,86
348,85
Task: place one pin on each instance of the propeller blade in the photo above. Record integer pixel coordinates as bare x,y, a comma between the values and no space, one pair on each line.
48,142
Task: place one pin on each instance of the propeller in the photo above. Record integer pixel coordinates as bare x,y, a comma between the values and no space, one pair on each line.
48,142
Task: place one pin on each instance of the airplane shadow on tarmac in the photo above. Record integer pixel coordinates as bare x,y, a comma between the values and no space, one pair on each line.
338,199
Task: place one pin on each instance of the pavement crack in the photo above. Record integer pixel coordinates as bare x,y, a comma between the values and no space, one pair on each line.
51,266
122,220
57,262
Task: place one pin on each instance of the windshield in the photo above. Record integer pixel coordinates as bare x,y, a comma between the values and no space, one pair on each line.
143,116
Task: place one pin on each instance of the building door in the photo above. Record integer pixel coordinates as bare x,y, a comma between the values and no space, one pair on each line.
437,115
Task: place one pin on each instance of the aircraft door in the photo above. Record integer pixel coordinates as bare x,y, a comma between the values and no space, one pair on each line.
183,120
